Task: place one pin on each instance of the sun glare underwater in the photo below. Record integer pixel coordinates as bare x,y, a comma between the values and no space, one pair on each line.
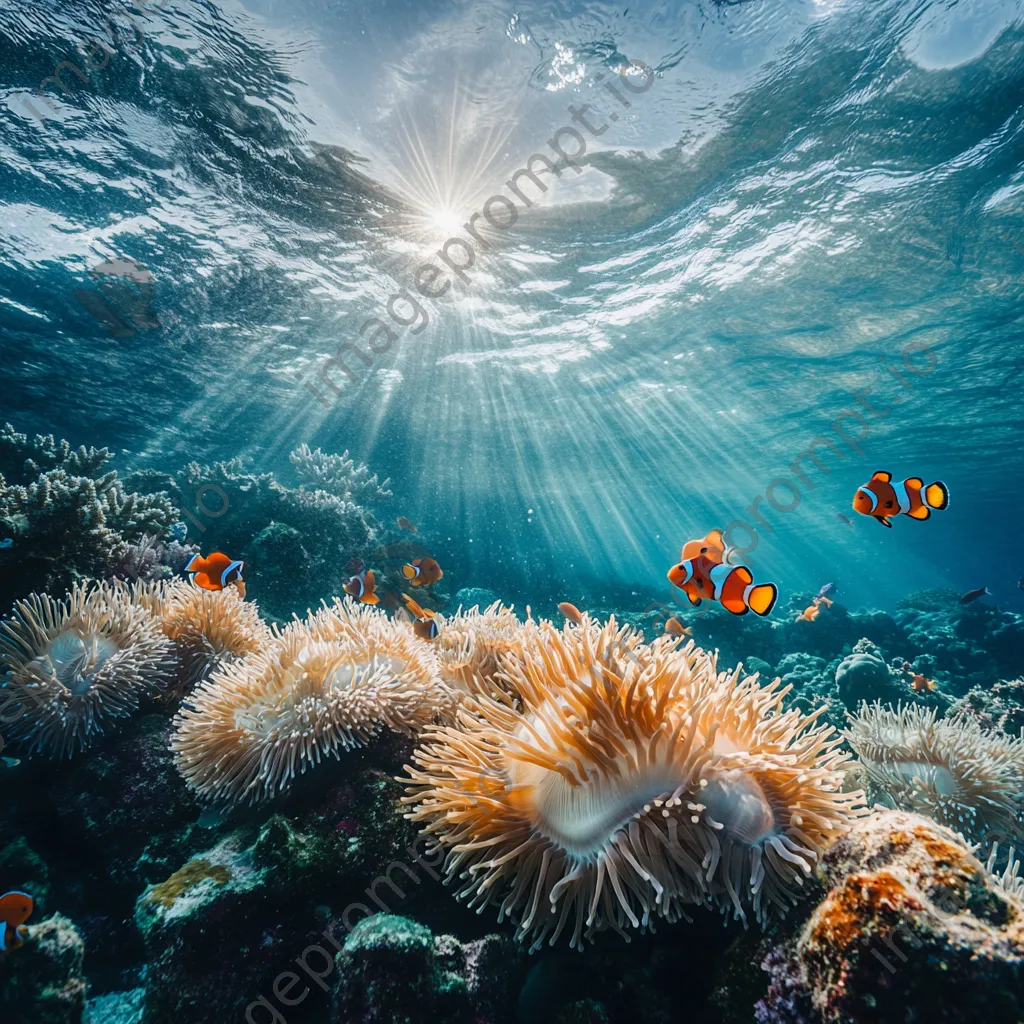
511,513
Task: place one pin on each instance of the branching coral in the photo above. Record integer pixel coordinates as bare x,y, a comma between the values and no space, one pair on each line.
337,474
68,519
77,664
633,781
255,725
953,771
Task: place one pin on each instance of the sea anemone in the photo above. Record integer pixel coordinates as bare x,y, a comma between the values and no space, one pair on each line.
471,645
80,663
254,725
952,771
209,628
633,781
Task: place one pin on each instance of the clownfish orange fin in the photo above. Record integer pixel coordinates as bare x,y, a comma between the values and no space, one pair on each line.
881,476
371,599
923,512
693,600
885,522
913,481
936,495
762,598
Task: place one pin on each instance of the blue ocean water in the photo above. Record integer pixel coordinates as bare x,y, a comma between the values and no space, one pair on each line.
782,215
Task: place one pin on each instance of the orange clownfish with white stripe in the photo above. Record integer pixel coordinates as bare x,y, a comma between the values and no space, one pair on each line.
422,572
425,624
363,587
216,572
882,498
705,572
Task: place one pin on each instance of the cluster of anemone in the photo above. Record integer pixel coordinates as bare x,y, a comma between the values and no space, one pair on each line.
208,628
327,684
624,783
78,665
471,646
950,770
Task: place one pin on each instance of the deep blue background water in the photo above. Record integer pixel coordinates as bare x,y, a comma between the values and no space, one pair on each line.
806,189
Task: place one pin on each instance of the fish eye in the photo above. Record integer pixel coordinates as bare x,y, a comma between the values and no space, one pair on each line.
703,550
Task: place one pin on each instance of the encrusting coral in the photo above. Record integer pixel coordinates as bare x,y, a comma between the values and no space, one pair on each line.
323,686
633,780
76,665
66,517
953,771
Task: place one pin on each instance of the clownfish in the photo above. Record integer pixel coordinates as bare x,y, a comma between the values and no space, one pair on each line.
15,909
882,499
422,572
920,684
361,587
705,572
216,572
425,624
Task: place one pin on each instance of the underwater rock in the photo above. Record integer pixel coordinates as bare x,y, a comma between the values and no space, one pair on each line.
997,708
116,1008
221,927
394,969
66,516
43,982
864,676
911,919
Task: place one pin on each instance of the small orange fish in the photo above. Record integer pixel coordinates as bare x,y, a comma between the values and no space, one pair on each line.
882,499
404,524
706,573
826,601
361,587
216,572
571,612
425,625
15,909
922,685
422,572
673,627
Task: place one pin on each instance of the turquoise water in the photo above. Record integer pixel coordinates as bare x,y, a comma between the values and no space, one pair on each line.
803,191
572,284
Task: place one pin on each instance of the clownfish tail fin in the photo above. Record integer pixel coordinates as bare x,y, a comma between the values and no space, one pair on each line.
762,598
937,495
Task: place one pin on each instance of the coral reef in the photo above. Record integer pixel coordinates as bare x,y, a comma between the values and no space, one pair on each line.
45,983
67,517
296,541
394,969
953,771
337,474
912,923
632,781
78,664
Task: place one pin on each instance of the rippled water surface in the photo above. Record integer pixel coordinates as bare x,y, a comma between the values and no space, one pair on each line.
809,209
